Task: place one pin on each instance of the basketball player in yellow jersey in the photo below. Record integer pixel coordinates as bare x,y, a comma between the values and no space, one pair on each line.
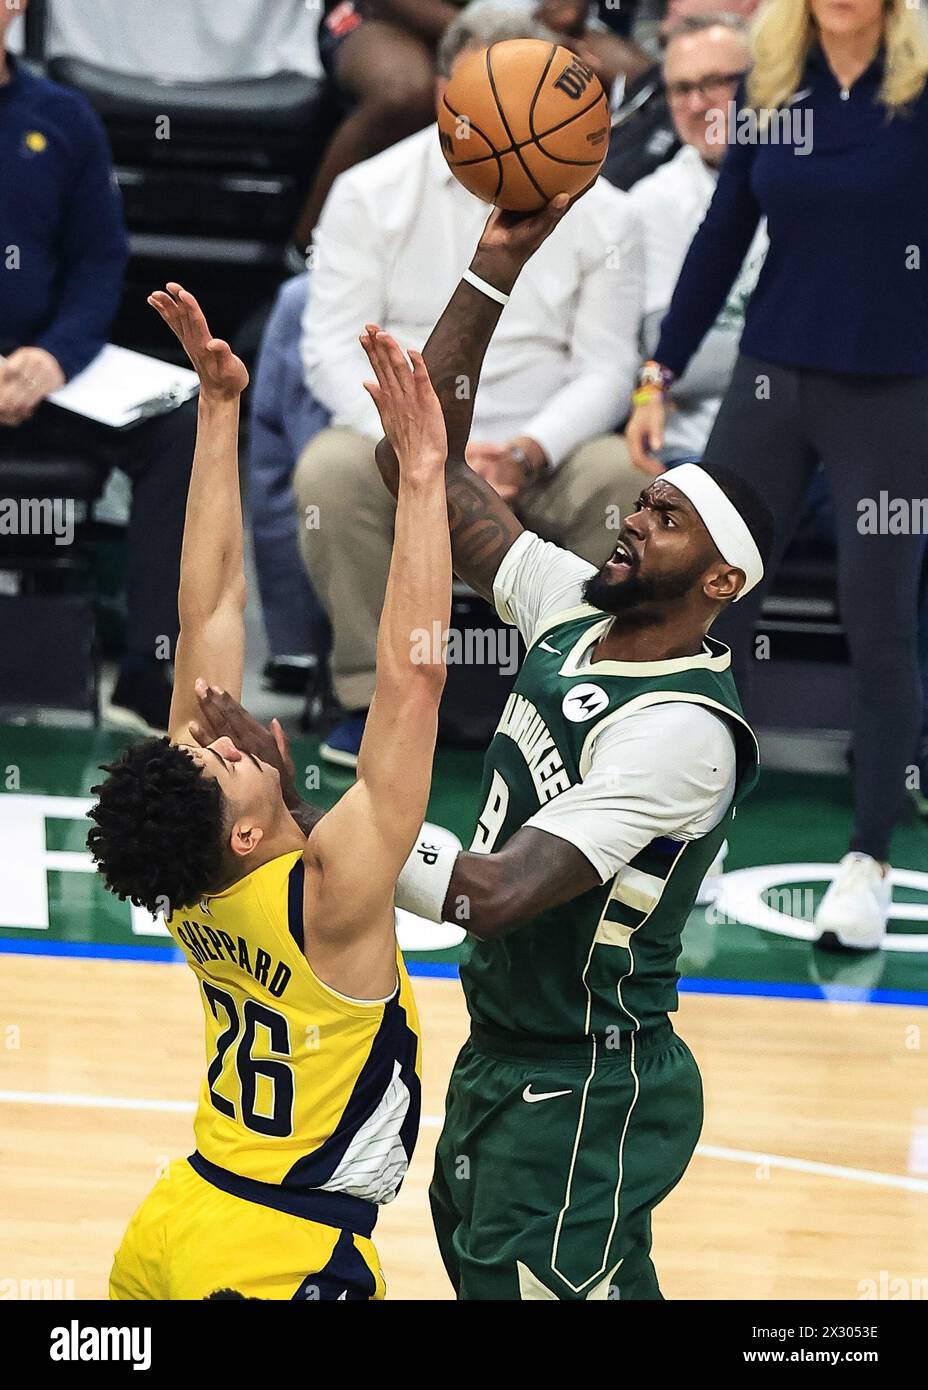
309,1109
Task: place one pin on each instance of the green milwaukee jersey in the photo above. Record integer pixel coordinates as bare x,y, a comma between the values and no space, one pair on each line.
606,960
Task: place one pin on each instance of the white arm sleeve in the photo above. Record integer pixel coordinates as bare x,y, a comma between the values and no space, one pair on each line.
665,770
535,580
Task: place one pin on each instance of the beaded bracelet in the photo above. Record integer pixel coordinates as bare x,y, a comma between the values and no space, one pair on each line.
647,393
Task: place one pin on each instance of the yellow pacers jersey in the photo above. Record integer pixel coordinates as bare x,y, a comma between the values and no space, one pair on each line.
305,1089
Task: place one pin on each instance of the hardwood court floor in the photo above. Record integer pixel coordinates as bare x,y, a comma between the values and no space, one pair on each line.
812,1176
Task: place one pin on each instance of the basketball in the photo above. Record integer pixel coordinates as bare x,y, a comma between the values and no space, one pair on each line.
522,121
478,957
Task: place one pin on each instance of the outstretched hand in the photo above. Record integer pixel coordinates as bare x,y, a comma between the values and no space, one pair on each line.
221,716
223,376
514,237
409,409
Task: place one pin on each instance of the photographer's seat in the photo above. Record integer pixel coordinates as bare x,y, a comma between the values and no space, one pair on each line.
212,174
47,625
201,161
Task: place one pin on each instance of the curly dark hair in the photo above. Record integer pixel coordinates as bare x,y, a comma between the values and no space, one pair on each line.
159,831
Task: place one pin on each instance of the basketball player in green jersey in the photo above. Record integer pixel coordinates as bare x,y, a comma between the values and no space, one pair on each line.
574,1108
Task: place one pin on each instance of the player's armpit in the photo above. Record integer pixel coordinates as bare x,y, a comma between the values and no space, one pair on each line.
493,894
306,816
350,870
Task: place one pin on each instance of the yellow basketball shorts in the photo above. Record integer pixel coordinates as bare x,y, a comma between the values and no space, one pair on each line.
190,1240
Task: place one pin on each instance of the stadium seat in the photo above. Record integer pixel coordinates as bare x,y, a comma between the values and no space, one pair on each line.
48,653
212,176
203,161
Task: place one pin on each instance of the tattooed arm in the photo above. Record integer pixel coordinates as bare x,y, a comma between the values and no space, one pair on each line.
482,526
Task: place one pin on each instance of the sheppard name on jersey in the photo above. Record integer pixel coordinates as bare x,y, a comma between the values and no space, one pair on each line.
525,726
205,943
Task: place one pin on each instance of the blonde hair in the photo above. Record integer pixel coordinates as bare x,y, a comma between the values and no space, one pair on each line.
785,30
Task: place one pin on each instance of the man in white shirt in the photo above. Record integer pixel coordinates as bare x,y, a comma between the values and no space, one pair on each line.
393,239
186,40
705,57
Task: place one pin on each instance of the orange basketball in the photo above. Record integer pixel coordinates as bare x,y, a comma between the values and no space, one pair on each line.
522,121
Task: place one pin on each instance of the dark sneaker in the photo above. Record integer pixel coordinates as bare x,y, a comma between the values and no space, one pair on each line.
141,700
290,675
343,744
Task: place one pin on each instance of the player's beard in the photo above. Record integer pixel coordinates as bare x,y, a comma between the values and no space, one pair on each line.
635,591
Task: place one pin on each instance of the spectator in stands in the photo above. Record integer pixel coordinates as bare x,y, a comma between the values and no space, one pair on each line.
283,418
185,40
834,361
601,36
705,57
643,127
380,57
394,237
64,251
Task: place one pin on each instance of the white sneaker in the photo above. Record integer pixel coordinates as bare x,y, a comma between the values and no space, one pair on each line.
853,912
711,885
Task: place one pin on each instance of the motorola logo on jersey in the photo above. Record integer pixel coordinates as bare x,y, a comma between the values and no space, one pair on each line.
583,702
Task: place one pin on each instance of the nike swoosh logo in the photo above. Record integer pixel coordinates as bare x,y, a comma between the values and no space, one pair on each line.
530,1096
553,650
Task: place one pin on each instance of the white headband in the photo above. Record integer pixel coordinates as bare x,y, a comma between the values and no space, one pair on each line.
721,519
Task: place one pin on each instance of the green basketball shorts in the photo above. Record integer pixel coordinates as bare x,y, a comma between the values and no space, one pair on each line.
552,1158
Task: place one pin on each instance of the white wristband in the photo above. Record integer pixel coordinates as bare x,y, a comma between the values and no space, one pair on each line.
423,882
485,287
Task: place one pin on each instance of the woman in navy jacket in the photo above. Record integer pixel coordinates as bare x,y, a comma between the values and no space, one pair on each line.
828,141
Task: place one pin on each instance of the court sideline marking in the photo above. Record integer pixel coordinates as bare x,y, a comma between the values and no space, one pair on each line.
756,1159
835,993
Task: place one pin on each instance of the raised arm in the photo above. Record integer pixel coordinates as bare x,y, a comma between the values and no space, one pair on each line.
482,526
355,853
211,596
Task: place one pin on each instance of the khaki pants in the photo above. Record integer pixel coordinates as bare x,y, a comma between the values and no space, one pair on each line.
346,532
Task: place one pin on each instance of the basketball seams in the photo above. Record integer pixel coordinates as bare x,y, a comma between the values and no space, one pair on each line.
491,83
460,116
536,136
537,93
494,153
514,149
574,116
502,115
